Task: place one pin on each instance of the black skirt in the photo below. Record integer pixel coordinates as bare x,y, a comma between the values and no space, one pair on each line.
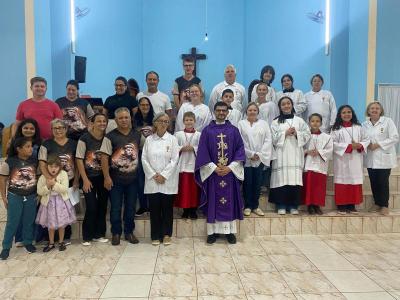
287,195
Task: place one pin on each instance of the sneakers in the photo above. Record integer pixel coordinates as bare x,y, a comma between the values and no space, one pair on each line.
341,211
247,212
281,211
375,208
353,211
258,212
5,253
48,248
67,242
167,240
231,238
62,246
30,248
131,238
294,211
100,240
140,212
19,244
384,211
86,243
155,242
115,240
211,239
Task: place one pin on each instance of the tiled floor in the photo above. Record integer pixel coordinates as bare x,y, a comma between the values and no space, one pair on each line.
265,267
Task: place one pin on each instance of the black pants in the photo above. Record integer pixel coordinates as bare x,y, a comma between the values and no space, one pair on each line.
346,207
94,223
161,215
379,179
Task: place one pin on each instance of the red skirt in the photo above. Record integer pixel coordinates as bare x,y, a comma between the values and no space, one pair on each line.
314,188
348,194
188,192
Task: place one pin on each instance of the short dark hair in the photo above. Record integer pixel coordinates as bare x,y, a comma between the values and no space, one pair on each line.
152,72
38,79
226,91
122,78
74,83
319,76
93,118
287,75
188,59
220,103
315,115
189,114
53,159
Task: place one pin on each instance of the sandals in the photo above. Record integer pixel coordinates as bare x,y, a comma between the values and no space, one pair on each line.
62,246
48,248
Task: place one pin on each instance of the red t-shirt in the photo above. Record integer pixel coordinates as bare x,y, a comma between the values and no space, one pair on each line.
42,111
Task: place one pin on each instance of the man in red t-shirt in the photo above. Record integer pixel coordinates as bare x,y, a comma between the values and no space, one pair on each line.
38,108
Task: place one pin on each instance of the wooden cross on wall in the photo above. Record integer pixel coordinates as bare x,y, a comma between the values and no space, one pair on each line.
196,56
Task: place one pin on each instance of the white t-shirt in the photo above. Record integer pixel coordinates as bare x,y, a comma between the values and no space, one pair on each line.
159,101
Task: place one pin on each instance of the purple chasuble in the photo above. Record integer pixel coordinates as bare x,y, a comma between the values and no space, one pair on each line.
221,199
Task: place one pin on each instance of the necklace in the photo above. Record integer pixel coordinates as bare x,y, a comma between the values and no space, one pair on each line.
188,140
290,124
351,135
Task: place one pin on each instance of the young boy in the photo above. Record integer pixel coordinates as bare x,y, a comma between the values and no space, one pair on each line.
234,116
188,193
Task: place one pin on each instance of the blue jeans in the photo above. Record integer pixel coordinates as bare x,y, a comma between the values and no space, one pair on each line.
252,186
123,194
20,208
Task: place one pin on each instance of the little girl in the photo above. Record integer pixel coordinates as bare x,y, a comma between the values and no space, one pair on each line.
350,141
55,211
19,170
318,152
188,192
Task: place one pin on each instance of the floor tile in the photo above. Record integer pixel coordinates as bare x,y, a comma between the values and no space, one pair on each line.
368,296
321,296
134,265
351,281
173,285
212,264
252,264
264,283
37,287
175,265
389,280
308,282
81,287
225,284
292,262
127,286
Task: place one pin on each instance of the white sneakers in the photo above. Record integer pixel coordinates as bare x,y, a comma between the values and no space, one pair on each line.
247,212
282,211
258,211
100,240
294,211
86,243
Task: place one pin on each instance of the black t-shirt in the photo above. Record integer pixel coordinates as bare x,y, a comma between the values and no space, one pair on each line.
124,154
22,175
184,84
66,154
75,114
88,149
116,101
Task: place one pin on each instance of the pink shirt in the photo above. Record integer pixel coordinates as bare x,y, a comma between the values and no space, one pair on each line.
42,111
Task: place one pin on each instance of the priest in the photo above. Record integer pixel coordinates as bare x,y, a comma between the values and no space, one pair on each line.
218,171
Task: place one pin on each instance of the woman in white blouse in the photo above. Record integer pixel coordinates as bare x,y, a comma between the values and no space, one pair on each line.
381,154
296,95
257,140
160,164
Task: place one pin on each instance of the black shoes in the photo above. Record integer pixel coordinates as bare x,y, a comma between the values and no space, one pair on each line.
185,213
211,239
131,238
48,248
62,246
115,241
141,211
231,238
30,248
5,253
193,214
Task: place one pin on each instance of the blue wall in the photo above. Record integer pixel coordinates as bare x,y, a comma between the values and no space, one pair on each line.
388,42
12,58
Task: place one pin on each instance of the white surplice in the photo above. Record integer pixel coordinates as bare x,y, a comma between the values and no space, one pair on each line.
287,167
321,102
268,111
187,159
348,167
271,95
257,140
299,101
201,111
384,133
323,143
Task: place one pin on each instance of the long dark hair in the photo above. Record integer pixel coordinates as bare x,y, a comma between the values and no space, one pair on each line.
339,122
36,138
281,118
265,69
139,120
17,143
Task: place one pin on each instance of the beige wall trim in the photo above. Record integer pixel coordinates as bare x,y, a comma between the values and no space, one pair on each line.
29,43
372,18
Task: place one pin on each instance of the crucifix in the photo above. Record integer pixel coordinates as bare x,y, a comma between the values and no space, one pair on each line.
222,159
195,56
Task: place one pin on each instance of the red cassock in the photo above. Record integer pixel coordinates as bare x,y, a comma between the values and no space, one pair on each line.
314,188
188,192
348,194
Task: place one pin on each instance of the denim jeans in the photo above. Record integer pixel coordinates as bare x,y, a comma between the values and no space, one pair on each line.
252,186
20,208
123,194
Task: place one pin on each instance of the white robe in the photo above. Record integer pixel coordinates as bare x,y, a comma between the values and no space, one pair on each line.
201,111
321,102
268,111
348,167
287,168
187,159
384,133
299,101
257,140
271,95
323,143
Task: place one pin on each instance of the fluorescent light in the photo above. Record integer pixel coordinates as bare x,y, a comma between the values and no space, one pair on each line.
72,21
327,25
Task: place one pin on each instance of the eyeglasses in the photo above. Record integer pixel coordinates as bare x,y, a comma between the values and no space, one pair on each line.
119,85
221,110
59,128
163,121
187,66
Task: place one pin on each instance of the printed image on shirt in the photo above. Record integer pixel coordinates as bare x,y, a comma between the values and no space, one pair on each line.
125,159
93,160
23,178
67,162
146,131
75,118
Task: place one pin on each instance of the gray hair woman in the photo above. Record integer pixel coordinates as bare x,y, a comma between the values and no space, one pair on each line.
160,164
